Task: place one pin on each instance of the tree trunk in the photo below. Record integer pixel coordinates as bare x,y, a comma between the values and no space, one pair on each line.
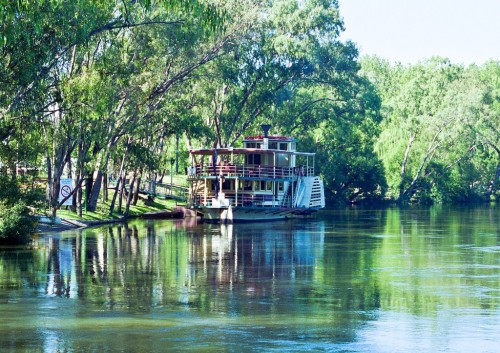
101,169
56,184
129,197
94,192
113,200
70,167
105,186
93,196
48,191
137,189
493,181
121,192
177,153
77,200
79,195
89,181
160,181
411,190
119,182
403,165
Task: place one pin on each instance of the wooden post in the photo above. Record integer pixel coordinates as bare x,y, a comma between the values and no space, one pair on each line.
236,191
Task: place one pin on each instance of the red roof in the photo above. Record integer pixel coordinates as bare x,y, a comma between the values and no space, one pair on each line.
261,137
221,151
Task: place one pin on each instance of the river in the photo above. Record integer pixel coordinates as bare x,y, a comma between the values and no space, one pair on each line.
353,280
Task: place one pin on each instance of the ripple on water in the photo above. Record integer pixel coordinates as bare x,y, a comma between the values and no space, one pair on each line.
489,249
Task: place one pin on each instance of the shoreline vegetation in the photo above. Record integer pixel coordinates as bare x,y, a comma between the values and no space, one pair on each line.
115,103
68,220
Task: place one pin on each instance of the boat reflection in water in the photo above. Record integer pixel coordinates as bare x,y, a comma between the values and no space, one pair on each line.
267,251
372,281
113,257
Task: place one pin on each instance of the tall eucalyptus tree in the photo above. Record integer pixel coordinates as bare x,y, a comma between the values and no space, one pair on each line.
438,138
66,43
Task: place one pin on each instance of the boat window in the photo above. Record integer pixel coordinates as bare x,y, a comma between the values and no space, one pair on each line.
282,160
252,145
246,185
273,145
253,159
224,184
283,146
266,185
281,187
227,185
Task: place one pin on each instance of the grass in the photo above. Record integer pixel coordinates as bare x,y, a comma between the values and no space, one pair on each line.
102,210
179,180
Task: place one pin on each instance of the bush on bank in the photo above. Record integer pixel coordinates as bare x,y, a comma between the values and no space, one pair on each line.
16,222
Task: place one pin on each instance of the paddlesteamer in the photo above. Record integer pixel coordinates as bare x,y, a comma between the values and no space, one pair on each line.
267,179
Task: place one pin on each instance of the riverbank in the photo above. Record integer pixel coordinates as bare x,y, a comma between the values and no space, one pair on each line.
68,220
71,224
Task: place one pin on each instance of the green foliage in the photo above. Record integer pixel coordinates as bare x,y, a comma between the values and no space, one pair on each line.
96,80
439,137
351,171
16,223
11,191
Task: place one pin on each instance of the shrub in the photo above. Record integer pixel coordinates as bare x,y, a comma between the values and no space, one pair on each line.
16,224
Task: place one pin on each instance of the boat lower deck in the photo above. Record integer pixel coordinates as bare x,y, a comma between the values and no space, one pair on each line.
231,214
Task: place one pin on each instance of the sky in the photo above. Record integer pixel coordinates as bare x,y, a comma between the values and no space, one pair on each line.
407,31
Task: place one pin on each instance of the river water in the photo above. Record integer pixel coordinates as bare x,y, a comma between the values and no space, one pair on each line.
415,280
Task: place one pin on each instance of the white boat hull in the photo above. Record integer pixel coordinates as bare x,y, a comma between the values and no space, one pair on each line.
251,214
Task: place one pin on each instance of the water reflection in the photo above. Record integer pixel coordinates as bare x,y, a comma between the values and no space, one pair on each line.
116,265
333,284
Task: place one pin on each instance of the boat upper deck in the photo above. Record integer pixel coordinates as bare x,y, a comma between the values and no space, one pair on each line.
243,171
250,163
262,157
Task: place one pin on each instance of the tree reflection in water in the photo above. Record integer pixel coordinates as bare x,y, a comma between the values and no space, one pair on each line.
249,287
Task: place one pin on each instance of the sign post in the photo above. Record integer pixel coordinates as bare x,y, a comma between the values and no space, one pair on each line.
65,189
172,161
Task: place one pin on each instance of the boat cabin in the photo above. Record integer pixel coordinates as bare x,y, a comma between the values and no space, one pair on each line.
266,172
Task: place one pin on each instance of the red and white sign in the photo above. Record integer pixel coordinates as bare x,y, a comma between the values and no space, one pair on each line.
65,189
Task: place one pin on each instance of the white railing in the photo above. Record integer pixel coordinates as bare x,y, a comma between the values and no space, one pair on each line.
249,171
241,200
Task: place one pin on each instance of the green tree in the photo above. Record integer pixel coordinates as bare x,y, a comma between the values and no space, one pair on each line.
486,127
16,220
438,136
105,51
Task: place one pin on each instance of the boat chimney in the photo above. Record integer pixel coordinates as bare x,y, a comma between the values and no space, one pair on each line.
266,128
